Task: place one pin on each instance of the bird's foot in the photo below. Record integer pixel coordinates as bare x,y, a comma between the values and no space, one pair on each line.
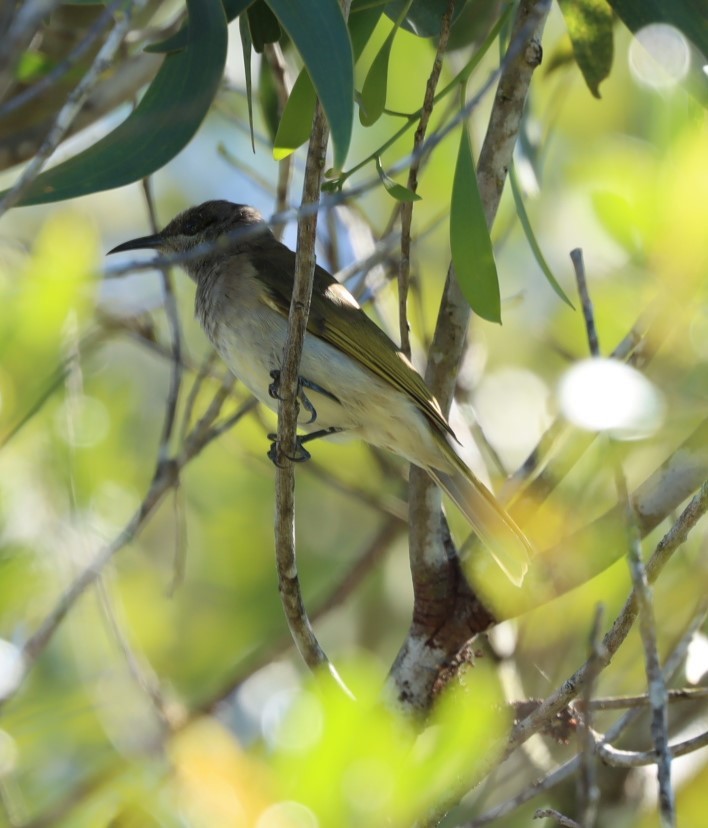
301,453
302,383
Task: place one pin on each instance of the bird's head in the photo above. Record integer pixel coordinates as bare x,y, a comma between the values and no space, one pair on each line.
222,224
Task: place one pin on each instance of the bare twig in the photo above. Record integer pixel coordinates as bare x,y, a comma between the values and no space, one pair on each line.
164,479
647,626
570,767
432,639
71,108
576,257
636,759
620,628
61,69
274,55
288,579
588,791
404,268
557,816
657,685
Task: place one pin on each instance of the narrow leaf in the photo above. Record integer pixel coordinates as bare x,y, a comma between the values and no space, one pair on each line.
589,24
296,122
320,34
162,124
373,92
398,191
471,246
532,240
263,24
246,47
361,24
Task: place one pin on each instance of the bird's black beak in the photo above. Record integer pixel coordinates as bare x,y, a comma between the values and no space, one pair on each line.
143,243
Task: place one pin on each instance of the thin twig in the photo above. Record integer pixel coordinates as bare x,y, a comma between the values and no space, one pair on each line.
588,791
557,816
576,256
40,86
570,767
164,479
71,108
637,759
647,626
619,630
655,679
404,269
273,54
288,579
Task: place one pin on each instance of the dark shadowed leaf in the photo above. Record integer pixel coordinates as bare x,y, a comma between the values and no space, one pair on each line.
263,24
162,124
589,24
320,34
246,47
688,16
472,253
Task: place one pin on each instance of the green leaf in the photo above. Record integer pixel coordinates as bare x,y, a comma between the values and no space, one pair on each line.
423,18
232,9
263,24
589,24
320,34
373,93
362,22
246,46
296,122
471,246
162,124
398,191
531,238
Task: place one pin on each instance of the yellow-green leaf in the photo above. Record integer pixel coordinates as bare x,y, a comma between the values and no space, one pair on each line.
296,122
589,24
398,191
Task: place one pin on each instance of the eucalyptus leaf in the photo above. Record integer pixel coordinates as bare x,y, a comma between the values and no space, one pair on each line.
373,92
532,240
246,47
398,191
471,246
296,121
263,24
162,124
589,24
320,34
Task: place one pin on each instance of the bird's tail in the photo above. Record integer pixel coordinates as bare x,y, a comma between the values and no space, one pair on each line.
496,529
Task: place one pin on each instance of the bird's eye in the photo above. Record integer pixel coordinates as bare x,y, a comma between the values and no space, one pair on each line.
191,228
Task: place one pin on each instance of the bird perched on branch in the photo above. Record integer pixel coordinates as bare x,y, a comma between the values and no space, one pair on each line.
353,378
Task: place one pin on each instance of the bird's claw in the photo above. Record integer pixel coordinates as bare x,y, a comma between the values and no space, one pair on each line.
275,455
274,392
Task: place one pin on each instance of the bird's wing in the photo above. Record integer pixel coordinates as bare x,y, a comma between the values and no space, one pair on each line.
337,318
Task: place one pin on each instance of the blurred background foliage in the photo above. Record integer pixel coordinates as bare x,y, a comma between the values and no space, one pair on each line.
106,727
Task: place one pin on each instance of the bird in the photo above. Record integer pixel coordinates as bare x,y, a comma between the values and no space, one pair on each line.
354,379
